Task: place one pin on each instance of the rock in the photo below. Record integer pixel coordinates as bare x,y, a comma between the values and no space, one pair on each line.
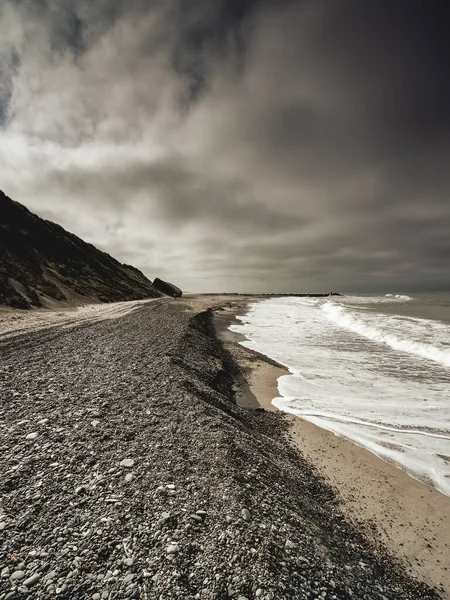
228,519
96,596
2,525
17,575
32,436
289,545
196,518
172,549
246,514
258,593
128,562
128,578
94,423
32,580
127,462
129,477
170,486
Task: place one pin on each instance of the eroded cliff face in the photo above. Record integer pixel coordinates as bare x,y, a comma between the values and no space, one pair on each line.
41,263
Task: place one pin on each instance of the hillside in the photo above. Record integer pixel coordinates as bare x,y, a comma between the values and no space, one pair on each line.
41,263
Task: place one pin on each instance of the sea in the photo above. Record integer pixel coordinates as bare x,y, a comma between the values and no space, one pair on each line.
374,369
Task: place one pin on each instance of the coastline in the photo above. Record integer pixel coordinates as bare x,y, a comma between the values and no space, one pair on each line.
410,519
159,484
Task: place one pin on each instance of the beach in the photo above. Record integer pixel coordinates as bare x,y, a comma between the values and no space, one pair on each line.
411,519
137,463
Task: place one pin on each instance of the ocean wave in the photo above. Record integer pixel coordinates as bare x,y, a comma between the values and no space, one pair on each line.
341,317
398,296
368,300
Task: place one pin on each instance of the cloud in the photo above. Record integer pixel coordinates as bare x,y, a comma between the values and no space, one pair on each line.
235,145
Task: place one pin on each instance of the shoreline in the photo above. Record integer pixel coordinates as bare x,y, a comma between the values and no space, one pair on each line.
159,484
410,519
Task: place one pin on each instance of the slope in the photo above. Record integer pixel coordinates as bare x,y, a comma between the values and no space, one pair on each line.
41,263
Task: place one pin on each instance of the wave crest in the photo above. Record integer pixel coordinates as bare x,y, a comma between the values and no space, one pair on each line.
398,296
339,316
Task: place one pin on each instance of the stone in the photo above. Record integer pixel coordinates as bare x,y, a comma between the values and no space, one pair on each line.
246,514
228,519
128,562
127,462
32,579
96,596
32,436
128,578
258,593
129,477
172,549
196,518
17,575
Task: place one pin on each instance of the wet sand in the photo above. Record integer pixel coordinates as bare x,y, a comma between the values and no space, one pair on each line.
409,518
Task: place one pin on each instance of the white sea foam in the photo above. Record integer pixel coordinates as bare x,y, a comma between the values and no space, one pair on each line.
398,296
380,379
343,318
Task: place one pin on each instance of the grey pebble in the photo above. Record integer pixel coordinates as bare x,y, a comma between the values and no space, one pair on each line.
32,580
246,514
196,518
17,575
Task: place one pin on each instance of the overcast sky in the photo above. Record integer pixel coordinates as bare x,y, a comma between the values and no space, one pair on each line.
236,145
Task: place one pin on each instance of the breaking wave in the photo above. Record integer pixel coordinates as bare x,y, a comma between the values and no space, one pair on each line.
398,296
343,318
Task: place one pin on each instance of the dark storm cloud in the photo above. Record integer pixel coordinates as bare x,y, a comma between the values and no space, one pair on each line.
236,144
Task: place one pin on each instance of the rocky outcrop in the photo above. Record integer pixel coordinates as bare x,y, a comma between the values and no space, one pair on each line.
166,288
41,263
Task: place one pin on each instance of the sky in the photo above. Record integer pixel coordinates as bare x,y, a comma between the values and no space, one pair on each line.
226,145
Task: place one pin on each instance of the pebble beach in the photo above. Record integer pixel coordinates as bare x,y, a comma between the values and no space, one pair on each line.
130,470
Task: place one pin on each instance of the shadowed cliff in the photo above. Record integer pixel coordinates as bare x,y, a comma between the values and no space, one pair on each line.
41,263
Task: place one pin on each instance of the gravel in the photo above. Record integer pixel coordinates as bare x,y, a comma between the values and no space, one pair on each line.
218,506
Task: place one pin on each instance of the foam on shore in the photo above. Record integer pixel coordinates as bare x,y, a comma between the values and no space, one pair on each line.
387,392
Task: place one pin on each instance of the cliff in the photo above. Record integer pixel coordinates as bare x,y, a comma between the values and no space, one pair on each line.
42,264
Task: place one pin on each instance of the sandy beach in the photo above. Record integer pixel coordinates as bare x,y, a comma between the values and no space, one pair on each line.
406,516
